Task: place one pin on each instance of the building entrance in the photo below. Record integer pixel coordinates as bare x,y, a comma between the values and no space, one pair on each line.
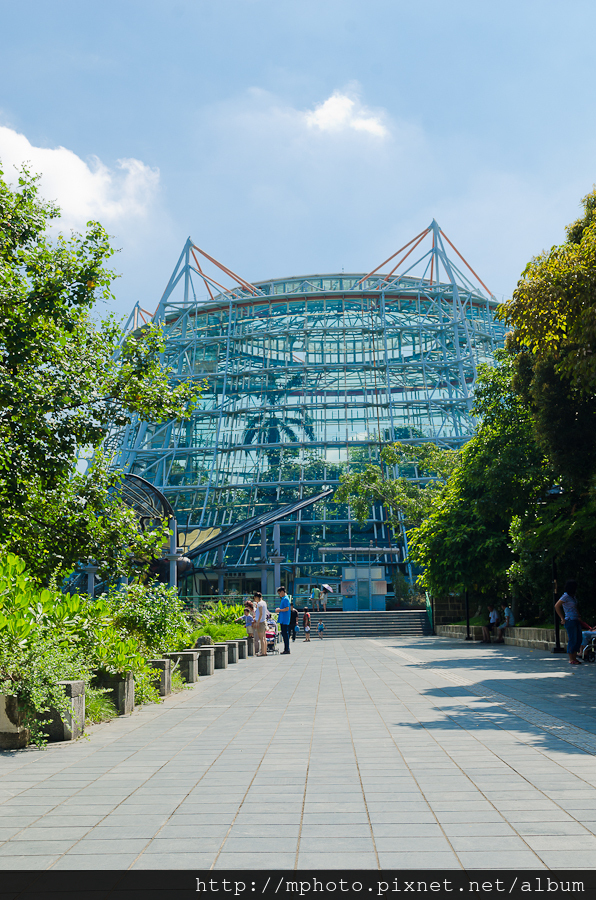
364,588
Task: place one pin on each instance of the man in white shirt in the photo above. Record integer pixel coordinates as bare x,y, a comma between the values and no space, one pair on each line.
261,624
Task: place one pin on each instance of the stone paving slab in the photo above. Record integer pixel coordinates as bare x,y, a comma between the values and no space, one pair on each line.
395,753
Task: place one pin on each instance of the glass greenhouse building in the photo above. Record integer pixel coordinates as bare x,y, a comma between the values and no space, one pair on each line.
306,378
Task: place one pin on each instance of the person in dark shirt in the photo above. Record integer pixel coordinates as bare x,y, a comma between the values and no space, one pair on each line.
293,621
306,625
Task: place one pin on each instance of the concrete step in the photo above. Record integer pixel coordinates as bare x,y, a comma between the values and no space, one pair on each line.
365,623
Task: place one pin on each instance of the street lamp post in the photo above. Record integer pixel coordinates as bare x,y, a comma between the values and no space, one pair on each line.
557,648
468,635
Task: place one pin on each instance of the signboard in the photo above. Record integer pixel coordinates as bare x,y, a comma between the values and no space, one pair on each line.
348,588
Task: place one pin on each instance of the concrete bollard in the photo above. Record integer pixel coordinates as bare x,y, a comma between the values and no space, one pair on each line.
242,648
188,665
221,656
207,660
74,726
163,682
13,734
250,645
232,652
122,690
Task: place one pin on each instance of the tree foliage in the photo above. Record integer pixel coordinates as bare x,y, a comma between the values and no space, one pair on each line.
403,498
553,308
464,542
64,377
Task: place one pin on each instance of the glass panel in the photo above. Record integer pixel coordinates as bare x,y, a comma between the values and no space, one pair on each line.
363,595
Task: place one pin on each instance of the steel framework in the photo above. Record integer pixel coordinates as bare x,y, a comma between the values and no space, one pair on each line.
306,377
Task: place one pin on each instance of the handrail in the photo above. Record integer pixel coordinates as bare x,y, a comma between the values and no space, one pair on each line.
429,610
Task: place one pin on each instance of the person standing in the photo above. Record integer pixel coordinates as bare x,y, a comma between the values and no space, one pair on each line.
284,618
323,598
566,609
293,620
306,625
314,596
261,623
493,618
248,618
320,629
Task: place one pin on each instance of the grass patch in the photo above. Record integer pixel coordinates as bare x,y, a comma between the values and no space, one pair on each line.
98,707
178,684
219,633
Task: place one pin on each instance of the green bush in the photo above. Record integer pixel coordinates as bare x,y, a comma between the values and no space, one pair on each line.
153,614
220,613
47,636
177,683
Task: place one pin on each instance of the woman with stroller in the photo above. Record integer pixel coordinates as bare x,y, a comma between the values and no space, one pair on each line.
566,608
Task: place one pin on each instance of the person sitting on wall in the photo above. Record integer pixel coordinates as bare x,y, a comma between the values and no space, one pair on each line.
508,622
493,618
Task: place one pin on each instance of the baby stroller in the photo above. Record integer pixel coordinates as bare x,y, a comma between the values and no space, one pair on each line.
272,636
588,653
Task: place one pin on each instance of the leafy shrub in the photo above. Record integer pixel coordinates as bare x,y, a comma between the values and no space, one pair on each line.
47,636
35,652
145,690
220,613
153,614
177,682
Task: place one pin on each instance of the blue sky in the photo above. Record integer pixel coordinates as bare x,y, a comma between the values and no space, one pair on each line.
290,137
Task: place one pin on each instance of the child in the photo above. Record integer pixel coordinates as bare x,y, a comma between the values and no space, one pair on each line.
320,629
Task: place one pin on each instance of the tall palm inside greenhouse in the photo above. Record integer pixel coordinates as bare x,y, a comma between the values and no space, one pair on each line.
272,423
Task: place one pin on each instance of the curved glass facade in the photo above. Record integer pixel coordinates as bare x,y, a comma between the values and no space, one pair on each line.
307,377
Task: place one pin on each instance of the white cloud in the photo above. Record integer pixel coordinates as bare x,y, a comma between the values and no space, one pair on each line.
340,112
83,190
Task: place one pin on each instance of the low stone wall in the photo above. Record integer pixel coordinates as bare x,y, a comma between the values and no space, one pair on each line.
448,608
458,632
533,638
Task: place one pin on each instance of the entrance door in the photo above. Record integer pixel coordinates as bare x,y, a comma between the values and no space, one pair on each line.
363,592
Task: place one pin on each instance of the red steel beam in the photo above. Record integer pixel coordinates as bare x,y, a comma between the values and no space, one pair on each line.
203,274
393,255
225,269
407,254
466,262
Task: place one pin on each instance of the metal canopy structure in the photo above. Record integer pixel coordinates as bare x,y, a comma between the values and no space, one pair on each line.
148,502
307,377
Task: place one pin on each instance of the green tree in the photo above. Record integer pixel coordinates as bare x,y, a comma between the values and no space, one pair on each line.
64,377
464,542
407,483
553,308
553,315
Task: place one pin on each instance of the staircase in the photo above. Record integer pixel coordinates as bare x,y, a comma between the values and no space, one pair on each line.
365,624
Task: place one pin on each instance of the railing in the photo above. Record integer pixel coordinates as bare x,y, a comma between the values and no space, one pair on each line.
198,601
429,610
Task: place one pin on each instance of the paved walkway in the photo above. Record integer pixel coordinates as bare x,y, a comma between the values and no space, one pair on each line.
410,753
